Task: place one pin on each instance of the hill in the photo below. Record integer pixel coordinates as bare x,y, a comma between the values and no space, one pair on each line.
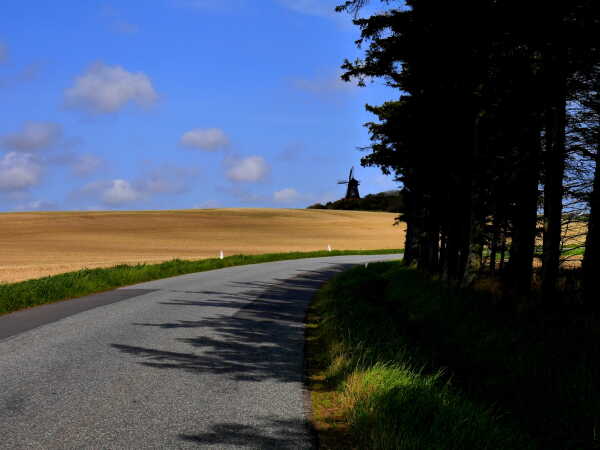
39,244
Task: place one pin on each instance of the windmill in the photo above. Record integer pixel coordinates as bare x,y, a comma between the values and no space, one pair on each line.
352,190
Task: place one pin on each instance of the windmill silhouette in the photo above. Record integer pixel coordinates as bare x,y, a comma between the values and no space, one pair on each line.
352,190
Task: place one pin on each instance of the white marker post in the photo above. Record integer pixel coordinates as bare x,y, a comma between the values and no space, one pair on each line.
328,247
221,255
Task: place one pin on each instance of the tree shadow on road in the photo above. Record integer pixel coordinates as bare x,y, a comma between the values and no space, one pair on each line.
263,340
271,434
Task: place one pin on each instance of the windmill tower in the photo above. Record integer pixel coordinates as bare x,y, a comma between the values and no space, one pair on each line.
352,190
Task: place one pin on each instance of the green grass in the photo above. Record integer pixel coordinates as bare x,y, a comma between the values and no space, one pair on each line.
389,394
396,338
16,296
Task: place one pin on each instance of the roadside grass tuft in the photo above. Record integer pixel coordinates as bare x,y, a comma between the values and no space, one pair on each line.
373,387
25,294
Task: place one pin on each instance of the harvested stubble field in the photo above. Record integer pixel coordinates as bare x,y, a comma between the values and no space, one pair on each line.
34,245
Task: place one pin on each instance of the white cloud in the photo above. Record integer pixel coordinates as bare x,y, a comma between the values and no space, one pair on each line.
205,139
34,136
251,169
18,171
164,179
106,89
120,192
86,164
116,192
286,195
3,52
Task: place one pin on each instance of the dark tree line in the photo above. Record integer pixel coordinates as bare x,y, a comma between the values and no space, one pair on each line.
494,133
390,201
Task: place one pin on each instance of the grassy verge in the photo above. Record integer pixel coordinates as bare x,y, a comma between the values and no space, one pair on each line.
375,384
16,296
390,340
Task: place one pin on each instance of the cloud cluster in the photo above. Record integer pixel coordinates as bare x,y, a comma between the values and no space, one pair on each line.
105,89
18,171
204,139
249,169
164,179
30,152
34,136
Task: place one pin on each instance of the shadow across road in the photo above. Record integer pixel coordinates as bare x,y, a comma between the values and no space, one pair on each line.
270,434
263,340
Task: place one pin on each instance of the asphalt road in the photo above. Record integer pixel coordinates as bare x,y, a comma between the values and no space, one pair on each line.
209,360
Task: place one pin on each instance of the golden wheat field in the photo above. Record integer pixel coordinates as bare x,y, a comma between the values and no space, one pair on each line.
33,245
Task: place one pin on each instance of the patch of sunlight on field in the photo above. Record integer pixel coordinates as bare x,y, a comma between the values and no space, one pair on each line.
39,244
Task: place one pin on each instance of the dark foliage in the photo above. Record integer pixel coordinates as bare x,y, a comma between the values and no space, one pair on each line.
492,134
391,201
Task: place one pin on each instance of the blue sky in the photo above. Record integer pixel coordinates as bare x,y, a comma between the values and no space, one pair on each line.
179,104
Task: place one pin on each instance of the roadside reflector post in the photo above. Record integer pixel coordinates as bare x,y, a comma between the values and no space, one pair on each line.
328,247
221,255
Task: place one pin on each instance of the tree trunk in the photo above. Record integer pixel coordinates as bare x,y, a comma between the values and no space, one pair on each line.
474,244
409,242
525,216
432,256
554,162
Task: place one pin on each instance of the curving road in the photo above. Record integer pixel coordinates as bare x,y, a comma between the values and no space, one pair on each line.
211,359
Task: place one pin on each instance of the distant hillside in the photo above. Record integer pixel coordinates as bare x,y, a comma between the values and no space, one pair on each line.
389,201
